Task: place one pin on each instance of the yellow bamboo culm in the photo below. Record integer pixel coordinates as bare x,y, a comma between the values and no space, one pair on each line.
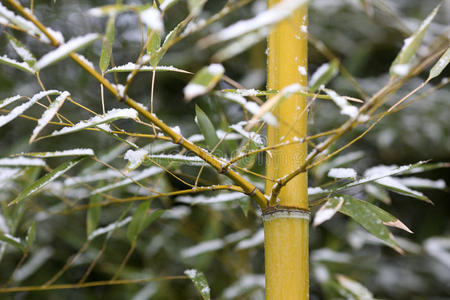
286,225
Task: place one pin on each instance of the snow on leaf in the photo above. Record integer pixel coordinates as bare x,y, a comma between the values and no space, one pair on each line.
266,18
112,115
203,81
39,184
200,282
255,240
49,114
21,50
346,108
201,199
396,186
22,23
12,240
328,210
342,173
423,183
23,107
7,174
14,63
255,137
65,49
7,101
108,228
323,75
440,65
135,158
72,152
22,161
153,19
129,67
176,159
355,288
412,43
37,260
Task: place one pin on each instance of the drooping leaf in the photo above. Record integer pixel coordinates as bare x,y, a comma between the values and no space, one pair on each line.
18,110
137,221
400,66
396,186
39,184
377,192
110,116
93,213
152,217
440,65
206,127
72,152
21,50
64,50
371,217
13,241
323,75
15,64
31,235
200,282
48,115
108,41
203,81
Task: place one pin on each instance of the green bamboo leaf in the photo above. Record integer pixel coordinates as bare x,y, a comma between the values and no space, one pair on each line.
440,65
130,67
48,115
204,81
359,291
328,210
108,41
64,50
152,217
13,241
39,184
9,100
15,64
323,75
174,160
396,186
63,153
206,127
153,45
200,282
137,221
93,214
371,217
31,235
21,50
377,192
400,66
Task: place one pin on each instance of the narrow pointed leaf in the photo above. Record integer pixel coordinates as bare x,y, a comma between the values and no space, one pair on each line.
93,214
396,186
31,235
200,282
152,217
64,50
204,81
440,65
130,67
18,110
39,184
7,101
15,64
207,128
22,161
48,115
328,210
174,160
154,44
21,50
410,46
323,75
13,241
72,152
107,45
109,228
110,116
137,221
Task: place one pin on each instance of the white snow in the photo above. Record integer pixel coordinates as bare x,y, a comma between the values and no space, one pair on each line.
439,248
135,157
57,35
423,182
85,60
71,152
243,285
15,239
327,211
22,161
191,160
23,52
108,228
9,100
256,240
103,175
304,28
114,114
238,127
129,67
201,199
19,21
326,254
65,49
7,174
302,70
316,190
344,105
381,171
166,4
177,212
216,69
20,65
34,263
319,73
193,90
49,113
152,18
401,69
394,183
342,173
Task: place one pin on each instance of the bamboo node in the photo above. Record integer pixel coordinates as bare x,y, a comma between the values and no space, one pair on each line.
285,212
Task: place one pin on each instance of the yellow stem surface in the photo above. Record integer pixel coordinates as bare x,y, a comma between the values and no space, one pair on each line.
286,225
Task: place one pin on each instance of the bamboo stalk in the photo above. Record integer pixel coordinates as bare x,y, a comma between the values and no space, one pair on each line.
286,223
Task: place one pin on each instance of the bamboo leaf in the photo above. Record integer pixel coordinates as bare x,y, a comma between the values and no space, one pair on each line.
423,183
355,288
7,101
400,66
109,228
328,210
93,213
371,217
204,81
22,161
440,65
206,127
108,41
130,67
196,6
152,18
135,158
152,217
208,200
63,153
21,50
39,184
110,116
48,115
18,110
154,44
175,159
396,186
323,75
167,4
13,241
31,235
137,222
64,50
200,282
15,64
